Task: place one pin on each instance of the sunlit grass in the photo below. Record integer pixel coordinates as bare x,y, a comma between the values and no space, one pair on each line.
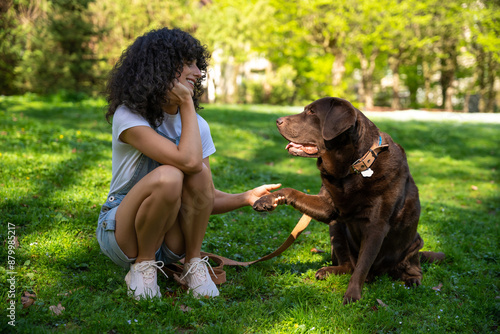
55,168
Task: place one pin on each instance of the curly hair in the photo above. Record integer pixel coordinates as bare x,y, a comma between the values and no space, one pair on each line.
146,71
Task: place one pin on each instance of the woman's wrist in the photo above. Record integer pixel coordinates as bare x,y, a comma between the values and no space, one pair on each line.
187,104
248,197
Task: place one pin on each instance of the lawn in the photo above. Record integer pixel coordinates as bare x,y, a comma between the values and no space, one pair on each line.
55,169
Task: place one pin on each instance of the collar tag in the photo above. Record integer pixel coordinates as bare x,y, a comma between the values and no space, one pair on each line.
362,165
367,173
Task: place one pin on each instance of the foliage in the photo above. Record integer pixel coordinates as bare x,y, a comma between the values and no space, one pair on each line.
233,29
10,34
55,53
55,168
433,53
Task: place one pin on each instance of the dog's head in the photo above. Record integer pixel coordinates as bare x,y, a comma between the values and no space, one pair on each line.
311,131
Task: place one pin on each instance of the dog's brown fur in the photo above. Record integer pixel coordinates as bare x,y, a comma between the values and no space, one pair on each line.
373,221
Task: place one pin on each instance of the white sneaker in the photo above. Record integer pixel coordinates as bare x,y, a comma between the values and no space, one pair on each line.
142,281
198,278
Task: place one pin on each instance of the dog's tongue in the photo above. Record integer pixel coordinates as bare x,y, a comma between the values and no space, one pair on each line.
308,148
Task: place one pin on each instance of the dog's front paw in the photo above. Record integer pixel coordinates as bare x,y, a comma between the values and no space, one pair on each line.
352,295
351,299
265,203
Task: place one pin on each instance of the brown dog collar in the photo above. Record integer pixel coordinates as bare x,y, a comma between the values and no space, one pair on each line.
365,162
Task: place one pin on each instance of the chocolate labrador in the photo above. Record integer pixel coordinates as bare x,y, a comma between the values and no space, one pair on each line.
368,196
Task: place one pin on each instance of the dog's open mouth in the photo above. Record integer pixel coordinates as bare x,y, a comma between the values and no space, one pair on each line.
295,148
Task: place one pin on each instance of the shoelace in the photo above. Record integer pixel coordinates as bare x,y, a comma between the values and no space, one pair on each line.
144,267
198,269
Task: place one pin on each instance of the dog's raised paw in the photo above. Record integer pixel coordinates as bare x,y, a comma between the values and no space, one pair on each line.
265,203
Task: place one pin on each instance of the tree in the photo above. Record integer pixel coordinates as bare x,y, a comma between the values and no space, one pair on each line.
120,22
71,34
56,53
233,29
16,31
484,24
287,45
314,48
369,24
328,29
9,48
404,43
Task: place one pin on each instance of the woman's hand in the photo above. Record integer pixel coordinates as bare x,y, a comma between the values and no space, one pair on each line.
179,94
258,192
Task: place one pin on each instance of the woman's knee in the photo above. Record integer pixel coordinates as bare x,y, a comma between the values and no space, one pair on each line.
168,181
201,181
200,186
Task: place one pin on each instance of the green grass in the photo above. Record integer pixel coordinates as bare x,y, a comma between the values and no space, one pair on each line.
55,168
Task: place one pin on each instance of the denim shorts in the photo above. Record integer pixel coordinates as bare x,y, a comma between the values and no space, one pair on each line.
105,234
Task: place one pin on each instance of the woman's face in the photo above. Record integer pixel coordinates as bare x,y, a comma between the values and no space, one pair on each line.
189,75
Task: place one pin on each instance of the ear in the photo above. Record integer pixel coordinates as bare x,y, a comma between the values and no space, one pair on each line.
340,117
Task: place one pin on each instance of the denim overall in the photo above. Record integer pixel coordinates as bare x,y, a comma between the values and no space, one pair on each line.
105,231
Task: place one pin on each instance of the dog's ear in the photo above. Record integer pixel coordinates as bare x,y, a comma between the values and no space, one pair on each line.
340,117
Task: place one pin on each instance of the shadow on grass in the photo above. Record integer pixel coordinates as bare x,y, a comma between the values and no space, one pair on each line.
58,145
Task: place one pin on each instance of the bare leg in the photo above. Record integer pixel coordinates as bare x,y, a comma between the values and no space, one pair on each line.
197,204
174,239
148,211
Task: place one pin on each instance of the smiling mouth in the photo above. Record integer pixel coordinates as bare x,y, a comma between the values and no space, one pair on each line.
191,82
297,148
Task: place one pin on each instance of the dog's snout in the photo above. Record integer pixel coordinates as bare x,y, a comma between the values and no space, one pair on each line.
279,121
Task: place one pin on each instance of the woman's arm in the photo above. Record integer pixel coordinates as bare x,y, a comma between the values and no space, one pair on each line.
188,155
225,202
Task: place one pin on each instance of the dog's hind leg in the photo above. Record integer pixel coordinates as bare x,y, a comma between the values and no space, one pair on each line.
411,272
341,256
335,261
432,257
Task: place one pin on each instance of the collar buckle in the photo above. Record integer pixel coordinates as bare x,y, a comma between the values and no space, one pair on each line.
365,162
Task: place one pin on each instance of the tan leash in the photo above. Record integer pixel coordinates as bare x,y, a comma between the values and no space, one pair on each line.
219,275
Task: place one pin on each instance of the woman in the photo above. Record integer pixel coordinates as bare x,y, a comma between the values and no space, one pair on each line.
161,193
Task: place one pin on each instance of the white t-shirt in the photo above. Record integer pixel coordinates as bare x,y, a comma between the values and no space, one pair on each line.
125,157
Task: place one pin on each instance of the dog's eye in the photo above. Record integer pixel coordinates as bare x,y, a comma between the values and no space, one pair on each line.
310,112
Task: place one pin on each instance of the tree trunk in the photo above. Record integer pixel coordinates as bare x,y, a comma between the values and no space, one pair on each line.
481,74
426,72
232,88
268,89
394,65
491,93
448,105
367,68
338,68
448,68
447,75
369,96
229,82
466,103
